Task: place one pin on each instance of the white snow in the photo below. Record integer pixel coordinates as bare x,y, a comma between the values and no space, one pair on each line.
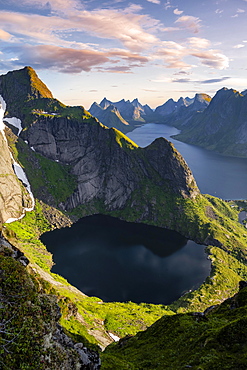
32,148
17,168
16,122
2,110
114,337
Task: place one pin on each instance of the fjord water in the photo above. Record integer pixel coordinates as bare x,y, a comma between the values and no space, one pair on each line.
120,261
221,176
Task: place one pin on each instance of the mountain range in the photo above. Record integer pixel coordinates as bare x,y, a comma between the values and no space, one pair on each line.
127,115
216,123
123,115
73,166
222,126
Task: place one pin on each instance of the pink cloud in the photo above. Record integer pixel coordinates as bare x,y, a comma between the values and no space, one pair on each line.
212,59
189,22
4,35
62,59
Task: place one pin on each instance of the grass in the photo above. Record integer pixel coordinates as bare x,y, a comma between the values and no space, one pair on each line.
48,178
216,340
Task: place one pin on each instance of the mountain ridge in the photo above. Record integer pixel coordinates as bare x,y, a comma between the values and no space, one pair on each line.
77,167
221,126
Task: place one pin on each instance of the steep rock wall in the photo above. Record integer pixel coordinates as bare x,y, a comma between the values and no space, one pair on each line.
108,166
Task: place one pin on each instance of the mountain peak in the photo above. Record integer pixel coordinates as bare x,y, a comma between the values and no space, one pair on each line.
20,86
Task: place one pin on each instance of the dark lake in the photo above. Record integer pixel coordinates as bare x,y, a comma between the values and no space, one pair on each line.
119,261
221,176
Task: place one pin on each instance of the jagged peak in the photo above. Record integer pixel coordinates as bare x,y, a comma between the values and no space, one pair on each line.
105,103
225,93
29,79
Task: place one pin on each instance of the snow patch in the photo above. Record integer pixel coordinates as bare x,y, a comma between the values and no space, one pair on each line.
16,122
17,168
32,148
114,337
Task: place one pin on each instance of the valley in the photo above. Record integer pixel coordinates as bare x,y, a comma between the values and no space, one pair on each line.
78,167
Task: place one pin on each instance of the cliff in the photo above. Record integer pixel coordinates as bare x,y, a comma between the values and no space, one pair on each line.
107,165
77,167
221,126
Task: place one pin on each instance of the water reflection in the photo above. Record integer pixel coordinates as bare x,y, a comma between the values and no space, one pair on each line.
221,176
119,261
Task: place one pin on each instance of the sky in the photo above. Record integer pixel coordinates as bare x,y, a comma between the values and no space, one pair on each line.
152,50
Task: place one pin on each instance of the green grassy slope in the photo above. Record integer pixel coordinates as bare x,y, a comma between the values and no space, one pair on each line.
213,340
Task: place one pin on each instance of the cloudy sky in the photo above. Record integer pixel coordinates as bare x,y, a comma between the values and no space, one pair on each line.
150,49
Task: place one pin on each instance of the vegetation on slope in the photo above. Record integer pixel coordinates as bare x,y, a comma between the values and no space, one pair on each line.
29,336
86,319
215,339
205,219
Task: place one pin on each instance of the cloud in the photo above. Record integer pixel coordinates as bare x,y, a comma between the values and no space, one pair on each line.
212,59
118,69
131,57
211,81
151,90
199,43
170,29
61,59
189,22
174,54
219,11
215,80
68,60
181,80
60,5
4,35
44,41
167,5
240,10
238,46
178,12
154,1
131,29
128,28
179,73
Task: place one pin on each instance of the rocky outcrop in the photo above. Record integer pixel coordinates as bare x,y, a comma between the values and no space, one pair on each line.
222,126
12,194
108,166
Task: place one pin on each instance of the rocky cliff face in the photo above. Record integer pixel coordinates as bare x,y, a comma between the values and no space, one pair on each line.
222,126
108,166
11,192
